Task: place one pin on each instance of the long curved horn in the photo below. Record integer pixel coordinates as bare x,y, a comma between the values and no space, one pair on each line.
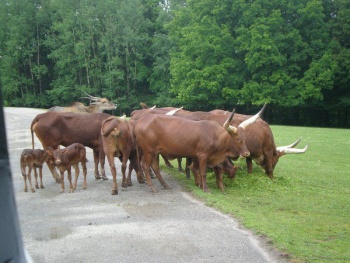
252,119
172,112
227,125
281,148
153,107
293,150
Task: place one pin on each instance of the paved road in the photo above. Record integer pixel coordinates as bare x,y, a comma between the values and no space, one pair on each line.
135,226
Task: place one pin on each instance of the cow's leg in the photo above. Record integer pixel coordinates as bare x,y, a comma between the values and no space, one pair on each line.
69,176
249,165
36,178
124,161
269,169
110,159
218,175
102,158
53,172
77,171
167,163
62,182
179,166
146,165
202,165
24,174
155,167
96,160
83,164
187,169
30,179
41,177
196,173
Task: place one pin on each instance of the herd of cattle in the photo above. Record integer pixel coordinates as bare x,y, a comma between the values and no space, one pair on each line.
205,139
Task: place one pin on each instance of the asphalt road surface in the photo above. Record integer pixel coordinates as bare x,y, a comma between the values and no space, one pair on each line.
134,226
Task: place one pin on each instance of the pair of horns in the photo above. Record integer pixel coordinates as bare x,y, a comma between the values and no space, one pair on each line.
243,124
290,148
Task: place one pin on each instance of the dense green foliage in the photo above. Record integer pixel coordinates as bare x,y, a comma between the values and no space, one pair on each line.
198,54
305,211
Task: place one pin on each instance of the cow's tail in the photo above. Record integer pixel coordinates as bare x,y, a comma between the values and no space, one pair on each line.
110,128
35,120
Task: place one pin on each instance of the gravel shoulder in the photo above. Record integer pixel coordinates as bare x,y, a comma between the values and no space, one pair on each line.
135,226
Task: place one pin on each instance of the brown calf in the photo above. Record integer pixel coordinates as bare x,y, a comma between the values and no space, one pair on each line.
65,158
32,158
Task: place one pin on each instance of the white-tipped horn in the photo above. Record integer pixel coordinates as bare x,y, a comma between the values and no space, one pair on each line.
290,145
122,117
292,150
153,107
172,112
227,125
252,119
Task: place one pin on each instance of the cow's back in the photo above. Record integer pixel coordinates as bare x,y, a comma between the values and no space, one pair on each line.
53,128
174,135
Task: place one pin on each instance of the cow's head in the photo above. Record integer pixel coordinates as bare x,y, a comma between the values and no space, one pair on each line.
238,134
102,103
282,150
54,156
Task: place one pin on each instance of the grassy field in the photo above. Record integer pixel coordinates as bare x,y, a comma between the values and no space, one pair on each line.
305,211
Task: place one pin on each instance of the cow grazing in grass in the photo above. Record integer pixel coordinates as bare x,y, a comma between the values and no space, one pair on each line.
97,106
65,158
32,159
259,139
205,142
118,141
54,129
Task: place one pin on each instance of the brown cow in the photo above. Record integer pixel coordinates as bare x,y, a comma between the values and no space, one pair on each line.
259,139
208,143
118,141
99,105
54,129
65,158
32,158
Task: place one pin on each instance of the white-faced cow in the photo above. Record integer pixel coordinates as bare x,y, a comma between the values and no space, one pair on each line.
65,158
118,141
54,129
32,159
206,142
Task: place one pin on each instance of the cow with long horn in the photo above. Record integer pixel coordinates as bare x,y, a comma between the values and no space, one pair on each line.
209,143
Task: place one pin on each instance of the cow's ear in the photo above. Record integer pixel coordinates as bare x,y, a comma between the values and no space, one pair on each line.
64,150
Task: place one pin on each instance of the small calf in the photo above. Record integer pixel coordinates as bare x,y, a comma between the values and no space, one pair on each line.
65,158
32,158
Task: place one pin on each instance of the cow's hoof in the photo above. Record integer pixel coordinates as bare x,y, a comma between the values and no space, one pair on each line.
25,190
104,177
114,192
167,187
124,184
33,190
58,181
153,189
62,191
98,177
37,186
129,183
42,187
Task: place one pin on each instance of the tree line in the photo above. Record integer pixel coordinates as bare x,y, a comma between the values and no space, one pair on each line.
202,55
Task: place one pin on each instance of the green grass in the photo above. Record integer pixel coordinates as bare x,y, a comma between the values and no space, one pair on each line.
305,211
